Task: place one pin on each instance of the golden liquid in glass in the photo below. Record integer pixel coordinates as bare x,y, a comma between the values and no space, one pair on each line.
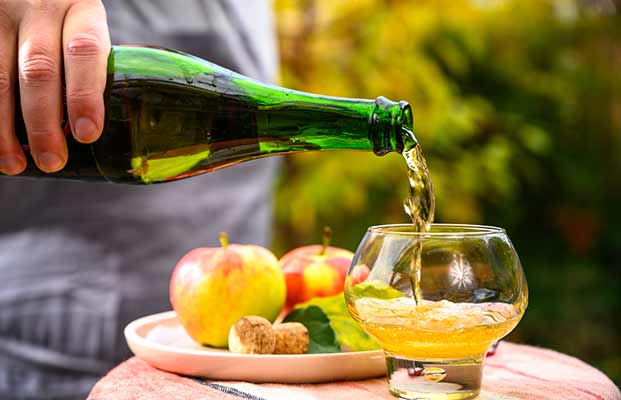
434,330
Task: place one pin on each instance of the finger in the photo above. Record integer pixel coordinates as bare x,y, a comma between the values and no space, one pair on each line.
39,66
12,160
86,44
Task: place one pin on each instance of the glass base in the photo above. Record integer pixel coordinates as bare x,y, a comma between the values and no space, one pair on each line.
434,379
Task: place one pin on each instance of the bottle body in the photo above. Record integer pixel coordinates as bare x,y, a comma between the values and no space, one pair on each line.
170,116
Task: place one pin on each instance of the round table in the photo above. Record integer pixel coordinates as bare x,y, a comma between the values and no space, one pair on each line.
514,372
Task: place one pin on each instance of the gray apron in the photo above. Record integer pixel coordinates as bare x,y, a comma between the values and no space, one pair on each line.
80,260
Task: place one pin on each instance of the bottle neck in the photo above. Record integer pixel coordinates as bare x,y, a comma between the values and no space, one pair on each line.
289,120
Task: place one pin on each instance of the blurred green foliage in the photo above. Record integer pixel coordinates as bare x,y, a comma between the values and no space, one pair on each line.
517,105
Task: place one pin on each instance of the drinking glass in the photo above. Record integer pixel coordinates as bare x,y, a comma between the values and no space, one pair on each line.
435,301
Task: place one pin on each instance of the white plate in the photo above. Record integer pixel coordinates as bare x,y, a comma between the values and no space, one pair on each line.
161,341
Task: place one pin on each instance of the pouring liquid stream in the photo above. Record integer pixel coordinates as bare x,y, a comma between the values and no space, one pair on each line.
419,206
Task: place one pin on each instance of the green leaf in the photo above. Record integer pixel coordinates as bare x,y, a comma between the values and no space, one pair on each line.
376,289
322,338
349,334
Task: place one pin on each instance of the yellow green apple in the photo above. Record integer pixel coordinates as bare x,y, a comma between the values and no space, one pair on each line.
212,288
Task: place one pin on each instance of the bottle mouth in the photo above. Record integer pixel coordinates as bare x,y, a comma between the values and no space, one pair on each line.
388,124
407,119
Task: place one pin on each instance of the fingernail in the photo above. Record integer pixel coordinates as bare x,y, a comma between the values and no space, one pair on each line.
49,161
10,164
85,130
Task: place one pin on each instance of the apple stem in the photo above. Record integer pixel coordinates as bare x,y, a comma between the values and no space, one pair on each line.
327,236
224,239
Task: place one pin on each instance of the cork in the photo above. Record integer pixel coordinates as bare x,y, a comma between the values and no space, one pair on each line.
291,338
252,335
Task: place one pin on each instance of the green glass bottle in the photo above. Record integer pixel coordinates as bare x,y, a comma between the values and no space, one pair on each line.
170,115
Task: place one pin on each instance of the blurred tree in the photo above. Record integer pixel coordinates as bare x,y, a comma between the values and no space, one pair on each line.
518,107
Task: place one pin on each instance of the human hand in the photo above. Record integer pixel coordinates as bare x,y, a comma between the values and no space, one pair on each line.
39,41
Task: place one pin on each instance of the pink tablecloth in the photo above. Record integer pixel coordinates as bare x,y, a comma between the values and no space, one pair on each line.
515,372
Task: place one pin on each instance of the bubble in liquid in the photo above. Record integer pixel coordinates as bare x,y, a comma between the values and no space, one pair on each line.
434,374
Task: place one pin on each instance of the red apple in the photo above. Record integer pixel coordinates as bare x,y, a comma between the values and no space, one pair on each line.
315,271
211,288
